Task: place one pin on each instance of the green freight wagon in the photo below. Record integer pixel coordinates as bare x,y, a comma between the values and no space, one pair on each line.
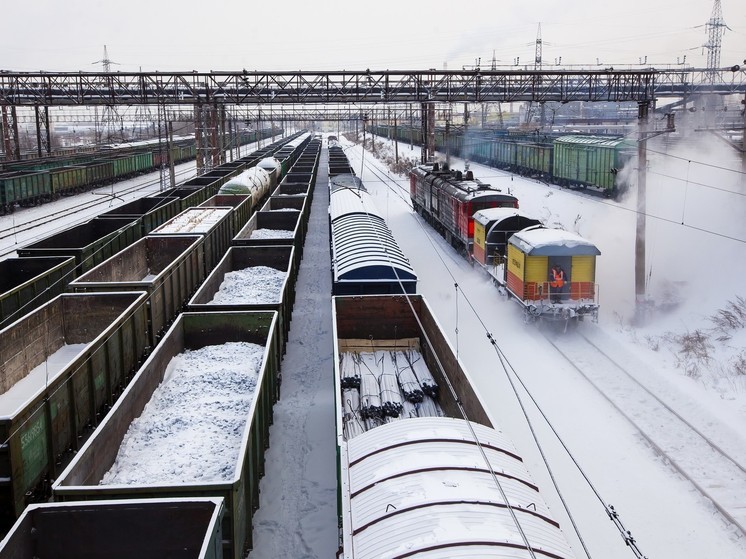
28,283
61,367
591,161
240,488
90,243
168,268
25,188
68,180
150,211
119,530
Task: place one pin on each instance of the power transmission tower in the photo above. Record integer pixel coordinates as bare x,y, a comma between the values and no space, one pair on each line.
715,29
537,68
111,123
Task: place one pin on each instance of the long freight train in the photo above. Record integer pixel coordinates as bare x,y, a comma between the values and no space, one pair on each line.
570,160
132,283
31,182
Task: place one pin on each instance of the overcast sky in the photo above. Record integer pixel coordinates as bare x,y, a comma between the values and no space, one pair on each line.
69,35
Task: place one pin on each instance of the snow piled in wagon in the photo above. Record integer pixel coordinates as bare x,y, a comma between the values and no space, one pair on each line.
253,285
38,377
191,429
195,220
271,234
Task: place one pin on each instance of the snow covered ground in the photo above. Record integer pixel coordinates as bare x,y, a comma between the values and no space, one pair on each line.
696,255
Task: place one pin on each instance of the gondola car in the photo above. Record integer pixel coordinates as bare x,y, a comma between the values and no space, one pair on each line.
449,199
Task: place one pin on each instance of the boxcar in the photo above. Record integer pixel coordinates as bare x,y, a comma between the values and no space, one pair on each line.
591,161
191,331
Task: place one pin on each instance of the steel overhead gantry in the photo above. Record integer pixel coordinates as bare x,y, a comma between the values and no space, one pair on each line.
211,92
206,91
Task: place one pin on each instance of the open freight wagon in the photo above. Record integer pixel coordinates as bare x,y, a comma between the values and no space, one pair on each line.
142,528
100,471
61,367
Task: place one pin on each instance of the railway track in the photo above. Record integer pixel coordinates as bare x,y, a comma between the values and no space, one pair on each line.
716,471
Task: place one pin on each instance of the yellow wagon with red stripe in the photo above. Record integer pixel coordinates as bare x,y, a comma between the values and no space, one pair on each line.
531,256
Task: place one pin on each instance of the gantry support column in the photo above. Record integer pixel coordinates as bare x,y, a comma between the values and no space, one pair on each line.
9,126
428,132
43,134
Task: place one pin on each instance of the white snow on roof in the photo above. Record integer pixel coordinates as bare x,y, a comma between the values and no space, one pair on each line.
423,483
496,214
533,239
344,201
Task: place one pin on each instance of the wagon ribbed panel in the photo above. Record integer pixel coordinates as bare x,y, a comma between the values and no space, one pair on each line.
444,485
421,488
457,525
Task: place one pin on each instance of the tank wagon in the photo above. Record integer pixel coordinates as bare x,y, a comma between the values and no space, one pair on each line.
412,478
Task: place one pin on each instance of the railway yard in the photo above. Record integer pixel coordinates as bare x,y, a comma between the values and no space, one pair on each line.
661,449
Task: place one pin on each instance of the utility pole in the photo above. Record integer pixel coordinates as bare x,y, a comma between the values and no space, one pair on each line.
642,122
